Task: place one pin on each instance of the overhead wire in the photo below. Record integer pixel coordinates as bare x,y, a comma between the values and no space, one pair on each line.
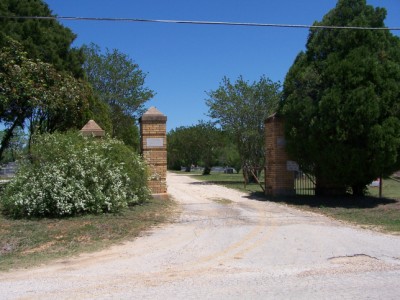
193,22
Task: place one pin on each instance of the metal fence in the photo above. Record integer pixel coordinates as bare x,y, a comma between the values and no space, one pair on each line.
390,188
304,184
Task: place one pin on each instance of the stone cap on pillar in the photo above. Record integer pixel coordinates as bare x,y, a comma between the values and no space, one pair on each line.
274,117
153,114
92,129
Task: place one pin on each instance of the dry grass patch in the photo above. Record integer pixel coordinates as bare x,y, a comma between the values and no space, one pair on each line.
25,243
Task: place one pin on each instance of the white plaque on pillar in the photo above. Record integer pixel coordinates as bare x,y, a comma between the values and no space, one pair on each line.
280,141
292,166
155,142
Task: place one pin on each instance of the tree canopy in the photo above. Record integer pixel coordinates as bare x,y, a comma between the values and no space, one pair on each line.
39,72
33,91
46,40
341,100
241,109
200,144
119,83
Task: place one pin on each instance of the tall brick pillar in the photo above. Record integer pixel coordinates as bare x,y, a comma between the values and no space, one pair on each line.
153,146
279,173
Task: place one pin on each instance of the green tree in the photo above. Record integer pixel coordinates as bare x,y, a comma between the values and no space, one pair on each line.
229,155
98,111
16,146
341,100
119,83
46,40
241,109
199,144
126,130
211,142
33,91
182,149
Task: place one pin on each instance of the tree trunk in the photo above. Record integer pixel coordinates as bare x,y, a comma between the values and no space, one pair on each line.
358,190
325,188
207,170
248,175
7,137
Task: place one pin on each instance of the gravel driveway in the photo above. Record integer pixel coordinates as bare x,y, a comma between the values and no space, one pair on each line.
225,246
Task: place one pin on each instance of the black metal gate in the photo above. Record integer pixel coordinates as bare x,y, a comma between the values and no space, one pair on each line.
304,183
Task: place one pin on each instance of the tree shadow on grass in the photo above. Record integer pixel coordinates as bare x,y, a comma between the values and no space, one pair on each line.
346,201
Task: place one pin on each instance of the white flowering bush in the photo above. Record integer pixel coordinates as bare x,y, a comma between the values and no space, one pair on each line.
69,175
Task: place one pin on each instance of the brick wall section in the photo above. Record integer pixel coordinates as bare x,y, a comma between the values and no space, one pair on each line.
153,128
153,146
278,180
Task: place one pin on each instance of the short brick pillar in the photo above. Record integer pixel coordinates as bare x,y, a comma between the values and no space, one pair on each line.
279,176
92,129
153,145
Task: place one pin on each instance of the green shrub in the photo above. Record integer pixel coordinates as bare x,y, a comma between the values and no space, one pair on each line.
68,174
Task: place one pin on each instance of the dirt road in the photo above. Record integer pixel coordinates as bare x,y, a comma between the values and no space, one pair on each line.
225,246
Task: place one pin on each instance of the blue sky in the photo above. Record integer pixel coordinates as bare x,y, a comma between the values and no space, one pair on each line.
182,62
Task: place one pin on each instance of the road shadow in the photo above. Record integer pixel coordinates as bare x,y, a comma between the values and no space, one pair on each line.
217,182
346,201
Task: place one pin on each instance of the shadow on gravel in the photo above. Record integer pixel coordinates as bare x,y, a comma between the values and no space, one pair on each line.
222,182
347,201
331,202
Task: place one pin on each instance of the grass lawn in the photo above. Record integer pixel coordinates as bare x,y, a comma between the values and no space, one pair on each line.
25,243
369,212
390,189
234,181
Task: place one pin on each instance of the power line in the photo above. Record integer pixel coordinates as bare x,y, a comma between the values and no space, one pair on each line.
190,22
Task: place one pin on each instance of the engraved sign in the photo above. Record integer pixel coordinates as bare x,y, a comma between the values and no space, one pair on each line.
155,142
280,141
292,165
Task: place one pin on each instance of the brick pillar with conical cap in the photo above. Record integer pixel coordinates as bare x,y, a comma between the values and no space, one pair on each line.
153,144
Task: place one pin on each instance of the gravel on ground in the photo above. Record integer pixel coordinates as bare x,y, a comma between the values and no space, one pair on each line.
225,245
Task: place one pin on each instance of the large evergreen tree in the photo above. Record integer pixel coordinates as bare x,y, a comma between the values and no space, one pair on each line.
46,40
342,100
